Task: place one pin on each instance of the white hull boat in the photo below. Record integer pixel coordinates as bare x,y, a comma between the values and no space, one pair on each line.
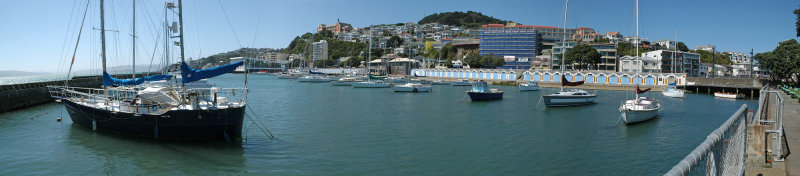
440,82
346,81
672,92
573,97
531,86
412,87
639,110
462,82
371,84
395,80
728,95
313,79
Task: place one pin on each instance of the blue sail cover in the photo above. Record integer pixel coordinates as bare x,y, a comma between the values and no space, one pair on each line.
109,80
191,75
673,83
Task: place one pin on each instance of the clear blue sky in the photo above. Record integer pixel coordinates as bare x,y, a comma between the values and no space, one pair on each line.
33,32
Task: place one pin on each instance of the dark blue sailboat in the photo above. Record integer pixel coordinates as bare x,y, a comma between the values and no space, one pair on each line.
481,92
129,107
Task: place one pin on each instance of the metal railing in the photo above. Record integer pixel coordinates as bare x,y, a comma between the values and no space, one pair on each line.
722,153
126,99
777,123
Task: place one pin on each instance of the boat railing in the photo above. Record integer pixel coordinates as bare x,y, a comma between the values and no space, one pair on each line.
722,153
125,99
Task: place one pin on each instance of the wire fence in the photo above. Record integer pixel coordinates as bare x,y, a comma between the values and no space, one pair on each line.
722,153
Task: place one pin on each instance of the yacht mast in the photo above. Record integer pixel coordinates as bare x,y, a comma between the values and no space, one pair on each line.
637,32
180,27
369,54
103,49
180,20
134,39
564,42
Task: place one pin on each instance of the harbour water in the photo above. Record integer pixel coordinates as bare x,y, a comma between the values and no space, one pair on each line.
333,130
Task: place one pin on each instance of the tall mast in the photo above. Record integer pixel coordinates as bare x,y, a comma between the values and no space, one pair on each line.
674,52
369,53
180,20
564,42
637,29
134,38
180,28
166,39
103,48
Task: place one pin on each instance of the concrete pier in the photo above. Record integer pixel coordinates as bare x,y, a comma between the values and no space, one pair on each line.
18,96
761,143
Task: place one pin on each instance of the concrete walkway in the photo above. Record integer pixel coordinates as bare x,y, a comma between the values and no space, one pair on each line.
791,124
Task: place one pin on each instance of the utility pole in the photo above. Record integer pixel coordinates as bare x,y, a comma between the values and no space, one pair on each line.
751,62
713,62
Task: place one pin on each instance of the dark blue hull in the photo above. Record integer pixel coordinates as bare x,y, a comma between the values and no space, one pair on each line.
218,124
481,96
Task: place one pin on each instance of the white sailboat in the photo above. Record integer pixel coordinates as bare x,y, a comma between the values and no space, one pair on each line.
345,81
530,86
672,91
412,87
314,79
639,109
370,83
572,97
461,82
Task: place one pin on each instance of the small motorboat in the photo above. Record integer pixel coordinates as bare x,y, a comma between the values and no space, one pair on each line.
372,84
530,86
481,92
346,81
412,87
728,95
314,79
461,82
440,82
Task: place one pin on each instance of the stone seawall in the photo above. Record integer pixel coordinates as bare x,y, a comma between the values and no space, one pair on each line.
19,96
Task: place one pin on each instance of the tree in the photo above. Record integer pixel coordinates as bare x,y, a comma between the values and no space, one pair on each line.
708,57
602,40
473,60
394,41
448,51
377,53
584,55
682,47
797,24
782,63
627,49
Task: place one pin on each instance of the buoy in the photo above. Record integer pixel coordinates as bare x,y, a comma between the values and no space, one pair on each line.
58,119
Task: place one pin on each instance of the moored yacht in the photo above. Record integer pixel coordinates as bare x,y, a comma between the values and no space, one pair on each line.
480,92
672,91
530,86
345,81
461,82
177,112
412,87
314,79
639,109
572,97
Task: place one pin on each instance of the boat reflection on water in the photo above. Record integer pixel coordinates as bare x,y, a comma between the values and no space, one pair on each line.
115,154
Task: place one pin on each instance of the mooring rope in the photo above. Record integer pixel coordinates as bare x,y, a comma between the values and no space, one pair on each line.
260,124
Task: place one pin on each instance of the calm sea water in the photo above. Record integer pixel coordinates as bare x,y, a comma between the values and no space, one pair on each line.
326,130
29,79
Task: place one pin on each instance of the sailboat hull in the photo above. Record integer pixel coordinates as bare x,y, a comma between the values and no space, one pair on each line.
632,116
219,124
551,100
